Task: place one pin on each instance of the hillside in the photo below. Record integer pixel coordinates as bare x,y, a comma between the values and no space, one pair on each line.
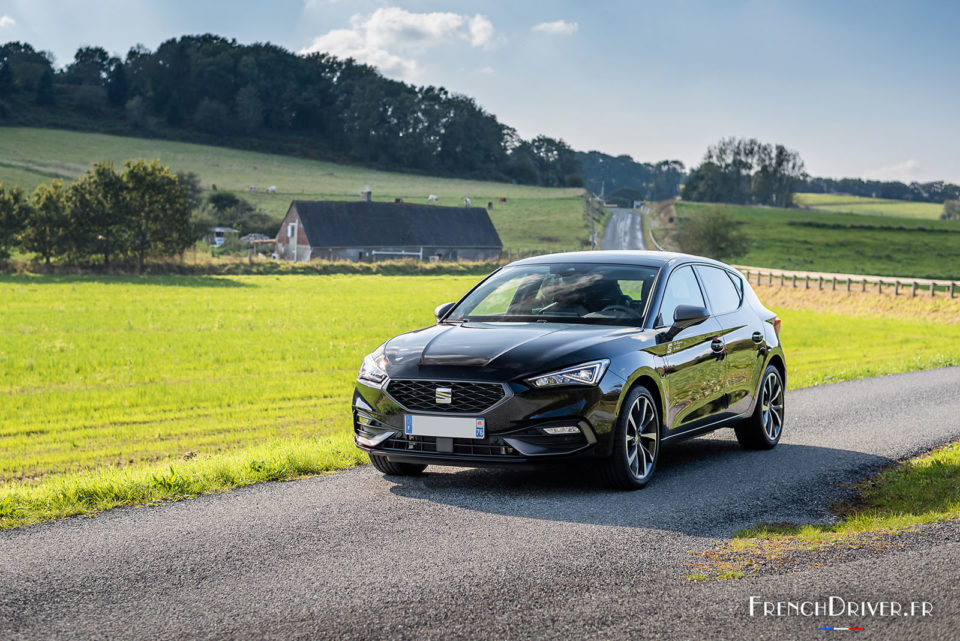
872,206
532,217
845,243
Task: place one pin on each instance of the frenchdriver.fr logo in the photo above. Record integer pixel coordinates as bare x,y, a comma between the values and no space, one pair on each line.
836,606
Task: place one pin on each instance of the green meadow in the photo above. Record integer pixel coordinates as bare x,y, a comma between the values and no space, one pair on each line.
870,206
124,390
845,243
531,218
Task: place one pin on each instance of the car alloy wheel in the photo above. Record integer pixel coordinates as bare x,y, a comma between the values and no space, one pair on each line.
771,405
642,438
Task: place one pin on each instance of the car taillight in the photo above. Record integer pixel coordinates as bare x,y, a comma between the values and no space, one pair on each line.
776,326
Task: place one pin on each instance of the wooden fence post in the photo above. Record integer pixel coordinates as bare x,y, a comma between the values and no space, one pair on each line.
834,283
794,280
769,278
863,285
933,289
781,279
849,283
896,288
879,286
951,289
914,292
806,280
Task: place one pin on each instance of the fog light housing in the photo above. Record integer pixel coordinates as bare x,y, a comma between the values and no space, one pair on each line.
561,430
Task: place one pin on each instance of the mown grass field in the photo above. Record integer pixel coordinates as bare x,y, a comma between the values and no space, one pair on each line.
870,206
123,390
845,243
532,217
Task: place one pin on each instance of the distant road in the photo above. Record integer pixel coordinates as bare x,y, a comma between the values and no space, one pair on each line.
500,553
624,231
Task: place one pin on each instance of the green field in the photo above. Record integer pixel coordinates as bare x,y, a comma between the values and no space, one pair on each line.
108,381
870,206
532,217
845,243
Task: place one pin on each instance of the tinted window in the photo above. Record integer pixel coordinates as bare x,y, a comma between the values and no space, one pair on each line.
724,295
561,293
682,289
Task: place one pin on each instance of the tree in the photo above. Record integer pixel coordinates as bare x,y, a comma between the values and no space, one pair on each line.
159,216
97,213
90,66
212,117
249,109
746,171
46,95
117,85
951,210
8,84
14,211
48,224
713,233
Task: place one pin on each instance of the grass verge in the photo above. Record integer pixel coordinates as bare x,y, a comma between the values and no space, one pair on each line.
921,490
145,485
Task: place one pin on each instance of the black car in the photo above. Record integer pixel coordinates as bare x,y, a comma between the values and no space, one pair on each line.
600,356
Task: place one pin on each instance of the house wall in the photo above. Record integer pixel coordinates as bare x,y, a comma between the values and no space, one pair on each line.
285,249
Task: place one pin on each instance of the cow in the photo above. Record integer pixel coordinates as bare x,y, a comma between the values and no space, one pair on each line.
272,189
466,202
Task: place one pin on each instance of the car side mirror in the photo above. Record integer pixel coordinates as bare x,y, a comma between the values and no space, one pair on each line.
685,316
442,310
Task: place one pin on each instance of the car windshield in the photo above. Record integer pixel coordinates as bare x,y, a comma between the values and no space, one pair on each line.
561,293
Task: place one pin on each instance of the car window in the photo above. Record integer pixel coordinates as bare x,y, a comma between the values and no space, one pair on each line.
592,293
723,294
682,289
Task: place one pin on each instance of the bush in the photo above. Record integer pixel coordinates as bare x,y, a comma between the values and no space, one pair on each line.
713,233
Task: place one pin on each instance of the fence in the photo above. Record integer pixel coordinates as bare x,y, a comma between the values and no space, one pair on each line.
852,282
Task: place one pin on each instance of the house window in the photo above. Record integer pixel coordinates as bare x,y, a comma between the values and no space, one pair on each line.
291,230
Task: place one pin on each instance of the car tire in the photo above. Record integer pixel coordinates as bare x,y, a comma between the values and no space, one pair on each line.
396,469
763,429
636,444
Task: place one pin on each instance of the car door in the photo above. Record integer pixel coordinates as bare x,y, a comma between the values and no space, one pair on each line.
741,331
693,367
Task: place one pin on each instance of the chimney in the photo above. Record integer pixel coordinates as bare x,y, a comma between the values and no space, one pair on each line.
366,195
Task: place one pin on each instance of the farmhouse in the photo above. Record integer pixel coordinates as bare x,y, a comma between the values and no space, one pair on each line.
368,231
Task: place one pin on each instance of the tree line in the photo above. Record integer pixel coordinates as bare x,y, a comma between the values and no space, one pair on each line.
211,89
746,171
104,216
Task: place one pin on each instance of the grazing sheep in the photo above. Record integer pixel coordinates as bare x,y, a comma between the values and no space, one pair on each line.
433,198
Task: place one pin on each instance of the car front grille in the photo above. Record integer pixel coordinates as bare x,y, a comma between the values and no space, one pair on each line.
465,398
492,446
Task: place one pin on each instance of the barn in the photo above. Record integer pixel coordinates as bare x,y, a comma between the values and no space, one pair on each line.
369,231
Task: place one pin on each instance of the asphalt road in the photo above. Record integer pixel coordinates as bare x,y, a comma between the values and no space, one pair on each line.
500,554
624,230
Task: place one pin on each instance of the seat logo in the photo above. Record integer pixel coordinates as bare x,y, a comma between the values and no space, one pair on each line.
444,396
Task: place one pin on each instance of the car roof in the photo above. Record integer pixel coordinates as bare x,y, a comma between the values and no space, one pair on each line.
619,257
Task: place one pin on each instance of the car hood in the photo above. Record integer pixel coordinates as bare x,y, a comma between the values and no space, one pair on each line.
502,351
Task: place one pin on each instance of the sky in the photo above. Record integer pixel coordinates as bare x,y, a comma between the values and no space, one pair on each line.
859,88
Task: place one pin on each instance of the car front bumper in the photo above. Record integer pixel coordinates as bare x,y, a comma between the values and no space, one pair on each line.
514,426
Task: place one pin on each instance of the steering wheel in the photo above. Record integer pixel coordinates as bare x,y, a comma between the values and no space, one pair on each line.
623,309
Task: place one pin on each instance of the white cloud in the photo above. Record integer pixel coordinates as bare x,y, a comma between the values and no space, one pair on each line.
481,32
6,21
906,171
557,27
487,71
390,38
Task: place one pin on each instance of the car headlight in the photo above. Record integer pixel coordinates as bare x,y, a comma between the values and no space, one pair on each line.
585,374
373,368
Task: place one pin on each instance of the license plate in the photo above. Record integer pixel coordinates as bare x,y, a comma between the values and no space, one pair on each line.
444,426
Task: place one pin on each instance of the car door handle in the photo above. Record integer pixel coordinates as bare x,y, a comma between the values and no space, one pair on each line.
717,345
758,337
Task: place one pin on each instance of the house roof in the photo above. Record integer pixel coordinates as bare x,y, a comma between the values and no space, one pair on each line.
383,224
